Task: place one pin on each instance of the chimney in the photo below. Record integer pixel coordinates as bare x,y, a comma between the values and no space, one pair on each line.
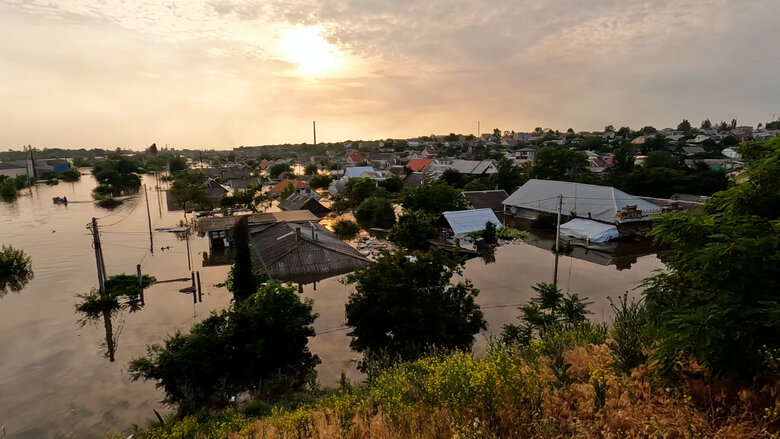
297,233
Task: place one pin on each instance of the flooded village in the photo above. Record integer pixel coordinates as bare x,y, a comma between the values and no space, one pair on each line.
178,224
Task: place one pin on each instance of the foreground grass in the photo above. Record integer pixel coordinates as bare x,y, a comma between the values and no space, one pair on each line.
559,388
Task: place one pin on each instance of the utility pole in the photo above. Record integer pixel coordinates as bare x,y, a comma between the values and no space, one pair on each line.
557,240
98,256
149,217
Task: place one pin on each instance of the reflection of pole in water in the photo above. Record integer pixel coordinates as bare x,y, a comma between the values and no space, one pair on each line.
189,258
555,274
149,217
110,345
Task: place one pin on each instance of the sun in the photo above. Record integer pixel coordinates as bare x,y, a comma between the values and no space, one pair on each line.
313,55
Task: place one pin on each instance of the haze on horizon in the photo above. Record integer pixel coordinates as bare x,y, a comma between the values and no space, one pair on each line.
224,73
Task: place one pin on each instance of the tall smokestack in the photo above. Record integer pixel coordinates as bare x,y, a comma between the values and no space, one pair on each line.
314,126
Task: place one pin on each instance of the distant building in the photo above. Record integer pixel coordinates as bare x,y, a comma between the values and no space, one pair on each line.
303,202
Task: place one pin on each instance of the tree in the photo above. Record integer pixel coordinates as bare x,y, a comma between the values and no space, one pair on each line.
496,137
684,126
402,306
375,212
259,344
287,191
277,169
454,178
188,189
624,158
661,159
549,310
555,163
244,281
414,229
433,196
15,269
358,189
320,181
609,128
717,300
394,184
706,124
311,169
346,229
508,177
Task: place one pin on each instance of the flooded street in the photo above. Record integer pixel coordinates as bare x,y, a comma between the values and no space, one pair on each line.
55,376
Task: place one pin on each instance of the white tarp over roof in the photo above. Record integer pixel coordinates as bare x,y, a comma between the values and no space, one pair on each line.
601,202
588,230
465,221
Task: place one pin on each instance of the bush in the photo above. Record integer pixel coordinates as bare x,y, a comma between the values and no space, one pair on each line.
320,181
346,229
375,212
545,221
630,334
15,269
413,230
8,188
505,233
259,344
403,305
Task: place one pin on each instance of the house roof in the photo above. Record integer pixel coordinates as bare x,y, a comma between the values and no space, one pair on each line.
279,187
465,221
414,179
310,255
694,150
474,167
419,164
486,199
601,202
209,224
355,157
298,201
265,163
356,171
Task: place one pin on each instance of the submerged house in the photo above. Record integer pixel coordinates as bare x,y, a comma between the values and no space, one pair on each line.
220,229
302,253
490,199
304,202
463,222
604,204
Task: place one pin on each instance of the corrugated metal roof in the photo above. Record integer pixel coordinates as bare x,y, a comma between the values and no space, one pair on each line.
298,201
209,224
314,255
356,171
602,202
465,221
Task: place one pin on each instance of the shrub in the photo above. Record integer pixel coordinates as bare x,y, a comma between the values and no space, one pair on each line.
346,229
630,334
375,212
15,269
505,233
259,343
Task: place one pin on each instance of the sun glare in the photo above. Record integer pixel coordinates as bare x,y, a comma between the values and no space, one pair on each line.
307,48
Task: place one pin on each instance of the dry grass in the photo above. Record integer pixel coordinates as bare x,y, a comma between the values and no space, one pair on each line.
632,409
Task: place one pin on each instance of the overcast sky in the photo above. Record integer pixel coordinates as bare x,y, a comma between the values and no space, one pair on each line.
225,73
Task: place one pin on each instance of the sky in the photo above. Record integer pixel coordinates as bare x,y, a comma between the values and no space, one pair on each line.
225,73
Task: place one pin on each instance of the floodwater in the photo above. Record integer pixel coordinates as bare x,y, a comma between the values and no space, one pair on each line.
56,379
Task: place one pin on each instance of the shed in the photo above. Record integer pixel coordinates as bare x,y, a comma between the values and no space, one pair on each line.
303,202
465,221
302,253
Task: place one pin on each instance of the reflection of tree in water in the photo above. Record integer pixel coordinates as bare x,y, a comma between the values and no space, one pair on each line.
15,270
122,293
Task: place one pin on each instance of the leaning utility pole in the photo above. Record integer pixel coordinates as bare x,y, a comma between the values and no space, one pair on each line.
98,256
149,217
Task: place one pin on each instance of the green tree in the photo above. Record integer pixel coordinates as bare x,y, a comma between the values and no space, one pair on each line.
356,190
661,159
454,178
684,126
549,310
244,281
402,306
556,163
375,212
509,176
287,191
346,229
717,301
188,189
394,184
706,124
15,269
8,190
311,169
275,170
259,344
414,229
433,196
320,181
